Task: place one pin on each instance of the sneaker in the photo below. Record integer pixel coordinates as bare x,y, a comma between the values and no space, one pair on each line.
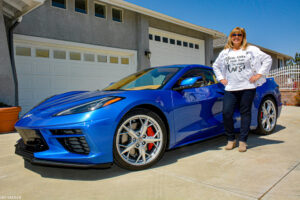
242,147
230,145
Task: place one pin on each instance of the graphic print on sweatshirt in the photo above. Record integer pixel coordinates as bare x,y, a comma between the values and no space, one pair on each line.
235,64
238,70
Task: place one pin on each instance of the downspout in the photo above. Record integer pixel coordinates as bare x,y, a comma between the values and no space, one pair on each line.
12,57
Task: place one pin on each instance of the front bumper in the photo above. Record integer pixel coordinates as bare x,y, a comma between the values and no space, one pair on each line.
97,134
21,150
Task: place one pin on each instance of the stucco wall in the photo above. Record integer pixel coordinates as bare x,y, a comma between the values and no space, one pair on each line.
216,53
68,25
142,41
209,54
7,87
274,61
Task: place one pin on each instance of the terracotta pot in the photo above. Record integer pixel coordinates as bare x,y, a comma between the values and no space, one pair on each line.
8,117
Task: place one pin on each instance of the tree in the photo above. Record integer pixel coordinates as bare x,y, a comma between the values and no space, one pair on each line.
295,60
290,62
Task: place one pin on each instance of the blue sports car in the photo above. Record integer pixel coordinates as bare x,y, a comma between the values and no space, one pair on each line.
133,121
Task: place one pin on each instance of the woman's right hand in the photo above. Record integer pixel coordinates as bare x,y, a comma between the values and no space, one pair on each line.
224,82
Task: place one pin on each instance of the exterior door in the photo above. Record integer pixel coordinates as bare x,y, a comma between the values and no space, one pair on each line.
198,110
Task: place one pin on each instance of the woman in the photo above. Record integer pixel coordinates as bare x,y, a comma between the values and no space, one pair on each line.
240,68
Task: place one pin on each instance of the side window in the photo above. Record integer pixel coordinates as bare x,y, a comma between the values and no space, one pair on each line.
206,74
210,77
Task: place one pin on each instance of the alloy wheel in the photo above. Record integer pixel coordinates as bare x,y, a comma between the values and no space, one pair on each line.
268,115
139,140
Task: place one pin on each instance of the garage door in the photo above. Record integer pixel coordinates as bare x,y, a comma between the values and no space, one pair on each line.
46,67
169,48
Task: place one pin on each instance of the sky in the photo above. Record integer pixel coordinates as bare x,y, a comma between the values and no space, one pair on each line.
273,24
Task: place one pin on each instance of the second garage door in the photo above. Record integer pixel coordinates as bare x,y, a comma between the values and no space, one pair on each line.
169,48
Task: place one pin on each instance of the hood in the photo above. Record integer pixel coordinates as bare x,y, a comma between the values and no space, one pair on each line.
64,101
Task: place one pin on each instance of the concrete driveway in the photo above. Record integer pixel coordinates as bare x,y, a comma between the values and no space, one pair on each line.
270,169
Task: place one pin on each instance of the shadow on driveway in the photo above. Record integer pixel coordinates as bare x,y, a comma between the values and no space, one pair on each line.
256,140
170,157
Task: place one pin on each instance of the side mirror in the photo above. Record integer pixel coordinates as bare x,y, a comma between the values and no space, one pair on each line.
188,83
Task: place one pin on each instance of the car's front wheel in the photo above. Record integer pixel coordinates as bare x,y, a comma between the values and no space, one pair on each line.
267,117
140,140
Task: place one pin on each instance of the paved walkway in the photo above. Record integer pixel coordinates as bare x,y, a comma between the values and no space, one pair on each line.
270,169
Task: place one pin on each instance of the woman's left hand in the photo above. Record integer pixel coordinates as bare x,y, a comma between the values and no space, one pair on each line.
255,77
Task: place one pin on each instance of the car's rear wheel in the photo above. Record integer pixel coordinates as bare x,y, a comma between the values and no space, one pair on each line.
140,140
267,117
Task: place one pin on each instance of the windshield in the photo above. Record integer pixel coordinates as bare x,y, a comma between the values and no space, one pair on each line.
150,79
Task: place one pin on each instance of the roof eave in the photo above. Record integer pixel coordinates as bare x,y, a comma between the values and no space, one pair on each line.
222,45
274,52
135,8
15,9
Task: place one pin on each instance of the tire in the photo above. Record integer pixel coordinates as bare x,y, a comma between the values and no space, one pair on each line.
140,140
267,117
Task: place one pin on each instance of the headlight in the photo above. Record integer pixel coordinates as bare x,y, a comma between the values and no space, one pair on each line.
90,106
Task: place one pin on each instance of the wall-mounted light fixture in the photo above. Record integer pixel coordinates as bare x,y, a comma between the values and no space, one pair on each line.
148,54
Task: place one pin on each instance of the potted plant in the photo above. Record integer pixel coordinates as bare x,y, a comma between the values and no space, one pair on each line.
297,98
8,117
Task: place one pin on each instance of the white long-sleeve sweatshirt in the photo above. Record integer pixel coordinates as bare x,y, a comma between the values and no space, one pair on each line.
238,66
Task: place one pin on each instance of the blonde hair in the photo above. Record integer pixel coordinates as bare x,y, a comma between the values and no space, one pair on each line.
244,44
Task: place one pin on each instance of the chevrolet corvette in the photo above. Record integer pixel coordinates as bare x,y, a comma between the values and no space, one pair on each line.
132,122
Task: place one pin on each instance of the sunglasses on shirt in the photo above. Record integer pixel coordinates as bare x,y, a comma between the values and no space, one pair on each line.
237,35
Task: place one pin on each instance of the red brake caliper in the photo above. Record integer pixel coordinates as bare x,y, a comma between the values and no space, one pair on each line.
150,132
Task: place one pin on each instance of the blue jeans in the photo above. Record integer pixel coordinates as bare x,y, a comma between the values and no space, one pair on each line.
243,99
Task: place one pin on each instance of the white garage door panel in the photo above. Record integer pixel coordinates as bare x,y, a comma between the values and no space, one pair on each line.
41,68
40,78
169,54
60,69
25,81
27,68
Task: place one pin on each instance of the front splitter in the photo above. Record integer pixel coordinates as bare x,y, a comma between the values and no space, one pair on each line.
29,157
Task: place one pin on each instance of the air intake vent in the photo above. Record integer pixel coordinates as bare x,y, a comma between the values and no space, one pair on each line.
66,132
75,144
